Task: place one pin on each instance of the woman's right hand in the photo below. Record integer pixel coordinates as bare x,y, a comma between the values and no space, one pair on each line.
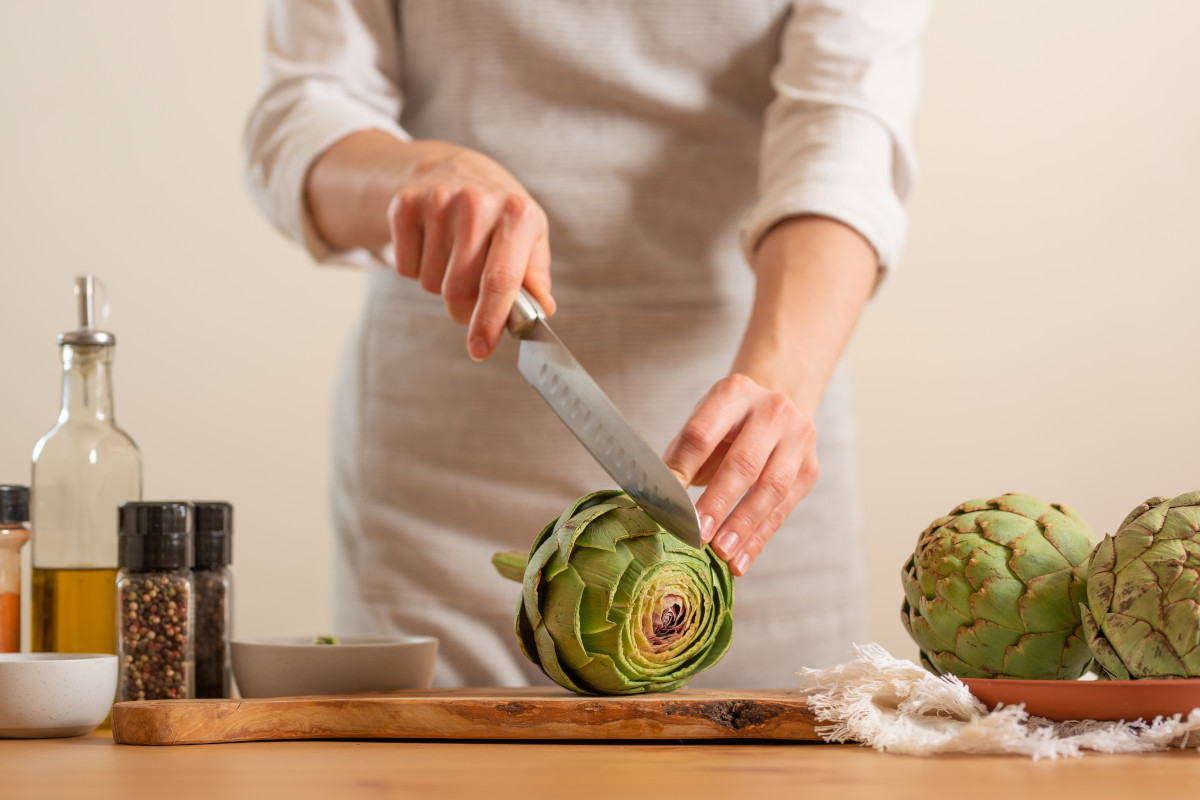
466,229
455,220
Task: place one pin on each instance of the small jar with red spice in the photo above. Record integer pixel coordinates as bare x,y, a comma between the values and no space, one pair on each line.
14,513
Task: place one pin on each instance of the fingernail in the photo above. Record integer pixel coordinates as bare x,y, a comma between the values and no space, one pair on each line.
706,528
727,543
477,348
740,563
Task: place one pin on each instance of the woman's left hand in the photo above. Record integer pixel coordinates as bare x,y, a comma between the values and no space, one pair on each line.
755,451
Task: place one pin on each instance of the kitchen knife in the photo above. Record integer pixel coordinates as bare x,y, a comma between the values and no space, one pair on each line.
574,396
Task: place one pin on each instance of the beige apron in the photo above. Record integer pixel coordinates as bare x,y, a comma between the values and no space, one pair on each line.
645,170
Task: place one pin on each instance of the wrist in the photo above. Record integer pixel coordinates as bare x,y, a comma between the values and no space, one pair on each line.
813,278
351,185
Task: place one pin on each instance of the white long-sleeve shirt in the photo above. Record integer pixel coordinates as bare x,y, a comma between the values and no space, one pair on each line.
662,138
837,134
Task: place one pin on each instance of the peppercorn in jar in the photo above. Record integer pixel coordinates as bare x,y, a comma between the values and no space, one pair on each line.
155,615
212,583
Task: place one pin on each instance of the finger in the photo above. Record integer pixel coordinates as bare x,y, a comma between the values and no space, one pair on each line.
753,547
703,441
435,245
508,258
704,475
772,490
743,478
404,223
537,278
474,215
702,434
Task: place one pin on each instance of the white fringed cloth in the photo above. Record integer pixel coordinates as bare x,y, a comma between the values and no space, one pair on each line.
897,706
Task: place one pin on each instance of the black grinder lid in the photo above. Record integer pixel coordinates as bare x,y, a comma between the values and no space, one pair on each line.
14,504
154,536
213,535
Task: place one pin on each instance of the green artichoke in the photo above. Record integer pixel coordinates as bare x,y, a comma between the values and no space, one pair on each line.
613,604
1142,616
993,590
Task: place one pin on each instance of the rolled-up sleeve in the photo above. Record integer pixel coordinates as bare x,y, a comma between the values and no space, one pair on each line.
332,68
837,141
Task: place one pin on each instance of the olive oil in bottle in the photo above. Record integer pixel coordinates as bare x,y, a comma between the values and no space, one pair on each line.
72,616
83,469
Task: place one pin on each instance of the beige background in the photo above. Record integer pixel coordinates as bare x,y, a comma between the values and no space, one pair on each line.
1039,336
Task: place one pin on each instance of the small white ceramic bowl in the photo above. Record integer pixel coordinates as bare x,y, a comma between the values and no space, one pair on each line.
293,666
44,695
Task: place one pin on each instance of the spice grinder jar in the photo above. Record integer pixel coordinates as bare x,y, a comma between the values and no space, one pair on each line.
213,585
14,513
155,614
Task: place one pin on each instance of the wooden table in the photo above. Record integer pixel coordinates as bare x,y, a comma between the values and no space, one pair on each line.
94,768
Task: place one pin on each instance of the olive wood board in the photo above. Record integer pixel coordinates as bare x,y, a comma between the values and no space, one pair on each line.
471,713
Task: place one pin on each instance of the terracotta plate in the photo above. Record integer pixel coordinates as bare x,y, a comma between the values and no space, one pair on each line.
1108,700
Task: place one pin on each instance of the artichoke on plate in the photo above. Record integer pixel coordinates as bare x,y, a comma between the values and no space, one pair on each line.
993,590
613,604
1143,600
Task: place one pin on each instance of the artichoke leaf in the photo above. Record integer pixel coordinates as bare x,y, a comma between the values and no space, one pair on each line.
947,663
1030,655
1136,593
1003,528
1153,657
998,600
1131,545
1181,625
561,614
1048,605
1034,556
954,589
985,644
1102,651
1023,505
985,561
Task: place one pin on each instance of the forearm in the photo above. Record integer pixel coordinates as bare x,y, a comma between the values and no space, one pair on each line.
350,186
814,276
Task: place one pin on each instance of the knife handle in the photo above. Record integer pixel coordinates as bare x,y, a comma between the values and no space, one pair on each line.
524,314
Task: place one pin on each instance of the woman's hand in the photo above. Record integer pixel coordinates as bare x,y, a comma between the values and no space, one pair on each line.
756,454
751,440
466,229
455,220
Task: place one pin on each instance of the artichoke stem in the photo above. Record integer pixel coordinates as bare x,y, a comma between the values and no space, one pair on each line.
511,564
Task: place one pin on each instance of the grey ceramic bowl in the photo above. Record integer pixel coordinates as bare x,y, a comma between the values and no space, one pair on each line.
44,695
293,666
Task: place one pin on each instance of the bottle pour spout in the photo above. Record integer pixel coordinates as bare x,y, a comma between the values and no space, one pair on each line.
85,294
91,302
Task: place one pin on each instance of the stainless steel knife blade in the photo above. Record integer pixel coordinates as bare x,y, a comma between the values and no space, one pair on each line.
600,427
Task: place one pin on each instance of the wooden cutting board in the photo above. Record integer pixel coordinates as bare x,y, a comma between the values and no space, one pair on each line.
526,713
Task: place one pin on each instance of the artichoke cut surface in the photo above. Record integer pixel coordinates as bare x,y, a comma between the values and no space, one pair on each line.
613,604
993,590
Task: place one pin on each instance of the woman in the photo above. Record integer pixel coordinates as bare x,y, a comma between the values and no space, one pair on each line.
466,143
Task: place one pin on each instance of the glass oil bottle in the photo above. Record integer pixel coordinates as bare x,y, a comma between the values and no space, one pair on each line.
83,469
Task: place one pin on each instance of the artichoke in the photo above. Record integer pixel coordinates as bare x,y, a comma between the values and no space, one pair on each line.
614,604
994,587
1142,616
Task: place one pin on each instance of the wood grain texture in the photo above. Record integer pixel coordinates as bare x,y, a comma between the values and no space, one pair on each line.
93,768
525,713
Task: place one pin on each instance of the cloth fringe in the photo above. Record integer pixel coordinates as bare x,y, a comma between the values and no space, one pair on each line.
897,706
